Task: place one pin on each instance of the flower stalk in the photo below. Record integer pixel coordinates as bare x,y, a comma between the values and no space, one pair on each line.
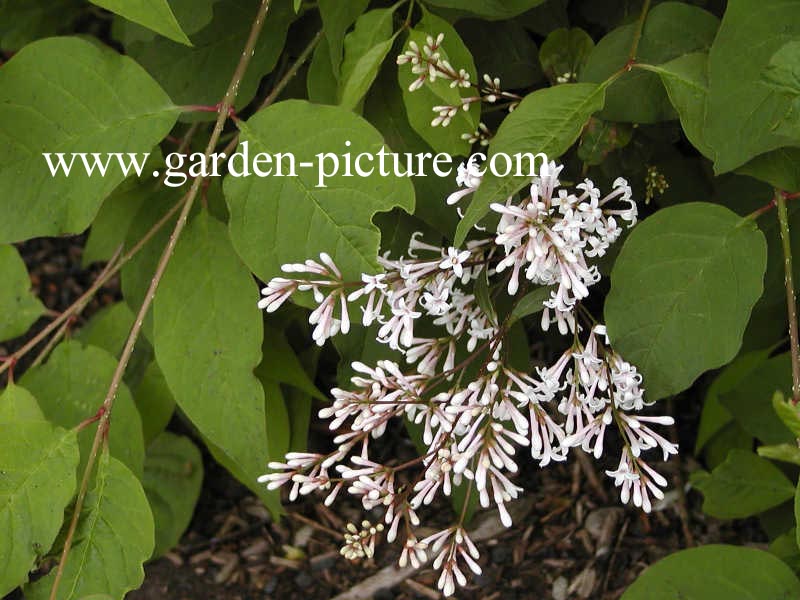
791,301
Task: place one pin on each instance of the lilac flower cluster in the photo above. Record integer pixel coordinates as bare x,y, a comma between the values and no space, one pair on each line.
475,411
429,64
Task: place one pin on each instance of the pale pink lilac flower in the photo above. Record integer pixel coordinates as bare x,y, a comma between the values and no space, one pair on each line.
478,418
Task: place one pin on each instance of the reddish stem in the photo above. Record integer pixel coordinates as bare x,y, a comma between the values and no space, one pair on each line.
93,419
231,111
11,361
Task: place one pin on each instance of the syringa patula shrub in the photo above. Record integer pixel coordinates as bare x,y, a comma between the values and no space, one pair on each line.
200,151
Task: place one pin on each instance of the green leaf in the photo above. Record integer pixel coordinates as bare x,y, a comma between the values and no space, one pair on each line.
29,20
767,325
19,307
529,304
483,297
71,386
671,30
600,138
744,485
18,404
192,16
785,547
502,49
365,48
489,9
716,572
208,356
788,453
281,365
686,81
787,412
743,112
37,481
173,475
751,400
301,219
108,329
153,14
780,168
155,402
114,218
385,110
565,52
114,537
731,436
298,406
420,102
797,511
137,273
682,289
783,70
714,415
549,121
337,16
358,345
101,102
201,74
321,81
279,430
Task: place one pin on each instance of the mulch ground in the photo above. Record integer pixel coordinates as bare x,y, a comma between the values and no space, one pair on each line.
575,541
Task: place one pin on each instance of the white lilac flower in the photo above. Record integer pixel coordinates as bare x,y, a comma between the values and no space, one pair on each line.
469,177
413,553
548,237
454,260
475,413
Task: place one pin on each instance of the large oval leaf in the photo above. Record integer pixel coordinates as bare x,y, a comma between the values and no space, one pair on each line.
337,16
548,120
686,81
671,30
489,9
200,74
207,339
275,220
19,308
744,485
681,294
113,539
37,481
750,400
173,474
69,95
153,14
365,48
744,113
71,386
716,572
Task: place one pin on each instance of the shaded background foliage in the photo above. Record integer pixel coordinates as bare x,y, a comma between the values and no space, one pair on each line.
697,103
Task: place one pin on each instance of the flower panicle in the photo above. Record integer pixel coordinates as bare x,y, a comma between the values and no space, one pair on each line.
479,417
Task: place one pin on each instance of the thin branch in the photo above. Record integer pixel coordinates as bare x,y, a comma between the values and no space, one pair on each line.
51,343
102,429
281,85
791,303
110,270
637,34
